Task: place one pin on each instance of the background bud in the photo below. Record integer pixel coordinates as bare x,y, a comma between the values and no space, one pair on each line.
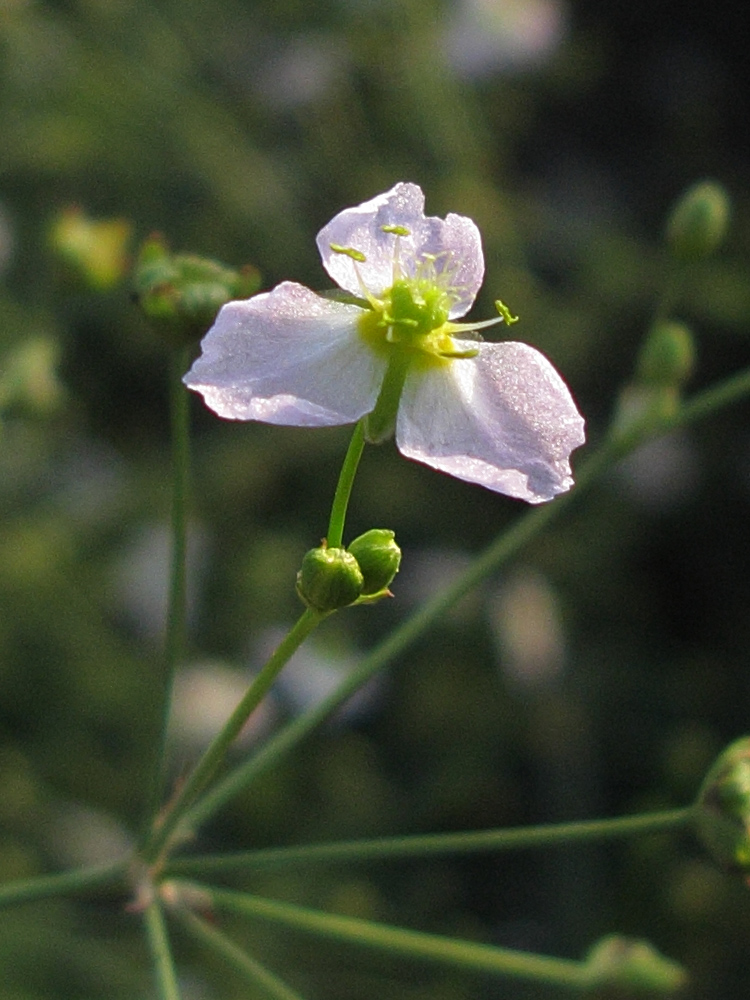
619,967
698,222
329,579
723,808
667,357
181,294
379,558
95,250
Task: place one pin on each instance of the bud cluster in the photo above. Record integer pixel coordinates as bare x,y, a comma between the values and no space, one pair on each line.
333,578
181,294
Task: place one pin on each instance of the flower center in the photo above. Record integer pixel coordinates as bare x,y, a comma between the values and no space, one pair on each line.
413,313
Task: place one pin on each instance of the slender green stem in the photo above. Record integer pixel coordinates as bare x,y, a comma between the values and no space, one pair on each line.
340,504
480,958
81,880
498,553
257,975
214,756
423,845
505,546
156,931
175,638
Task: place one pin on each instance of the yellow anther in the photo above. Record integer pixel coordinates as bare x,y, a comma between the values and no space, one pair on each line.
505,313
348,252
396,230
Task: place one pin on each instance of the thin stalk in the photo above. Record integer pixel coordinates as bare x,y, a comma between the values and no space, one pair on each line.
432,611
257,975
479,958
437,844
175,638
214,756
340,504
29,890
497,554
156,932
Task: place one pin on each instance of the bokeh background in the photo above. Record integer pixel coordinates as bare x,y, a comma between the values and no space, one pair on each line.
598,674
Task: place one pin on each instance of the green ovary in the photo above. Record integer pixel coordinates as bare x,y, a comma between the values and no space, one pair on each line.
413,315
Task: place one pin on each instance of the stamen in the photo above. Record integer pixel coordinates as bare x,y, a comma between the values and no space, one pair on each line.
396,230
505,313
349,252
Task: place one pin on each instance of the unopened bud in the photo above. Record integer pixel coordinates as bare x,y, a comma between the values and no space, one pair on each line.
181,294
379,558
667,356
620,967
95,250
329,579
698,222
723,808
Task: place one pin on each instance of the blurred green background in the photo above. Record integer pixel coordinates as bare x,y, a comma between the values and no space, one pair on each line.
598,674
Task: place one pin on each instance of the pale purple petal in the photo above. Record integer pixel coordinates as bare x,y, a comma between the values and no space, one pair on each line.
288,356
504,419
454,241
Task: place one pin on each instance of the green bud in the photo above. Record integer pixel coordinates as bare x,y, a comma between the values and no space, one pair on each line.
698,223
667,357
94,250
329,579
28,376
722,808
379,558
181,294
618,966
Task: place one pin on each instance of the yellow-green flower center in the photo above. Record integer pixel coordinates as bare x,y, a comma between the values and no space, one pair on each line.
411,316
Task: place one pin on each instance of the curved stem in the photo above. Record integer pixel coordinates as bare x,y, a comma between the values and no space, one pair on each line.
497,554
214,756
29,890
455,953
156,932
340,504
424,845
174,644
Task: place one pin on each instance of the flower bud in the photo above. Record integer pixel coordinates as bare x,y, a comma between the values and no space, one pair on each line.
698,222
379,558
329,579
95,250
667,356
182,293
723,808
618,966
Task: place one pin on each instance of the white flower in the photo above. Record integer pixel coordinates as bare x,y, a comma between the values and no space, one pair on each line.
497,414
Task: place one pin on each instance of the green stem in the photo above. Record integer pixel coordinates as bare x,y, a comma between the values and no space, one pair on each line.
29,890
257,975
214,756
340,504
498,553
480,958
175,641
393,645
156,931
473,842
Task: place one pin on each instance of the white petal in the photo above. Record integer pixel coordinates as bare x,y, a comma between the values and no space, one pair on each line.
288,356
454,241
504,419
